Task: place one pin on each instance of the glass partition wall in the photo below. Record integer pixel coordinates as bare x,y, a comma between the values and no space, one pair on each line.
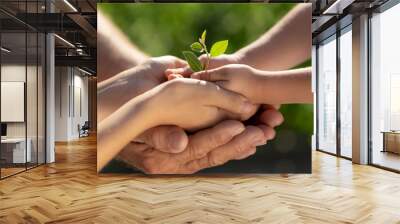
22,99
13,90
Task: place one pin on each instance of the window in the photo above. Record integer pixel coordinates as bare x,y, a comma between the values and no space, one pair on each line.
385,89
327,95
346,95
394,102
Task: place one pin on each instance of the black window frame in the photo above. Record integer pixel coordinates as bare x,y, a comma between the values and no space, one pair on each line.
342,26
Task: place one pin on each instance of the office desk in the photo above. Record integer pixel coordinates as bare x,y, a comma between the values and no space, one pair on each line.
13,150
391,141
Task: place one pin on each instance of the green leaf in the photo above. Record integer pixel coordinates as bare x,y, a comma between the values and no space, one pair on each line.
197,47
203,36
219,48
193,61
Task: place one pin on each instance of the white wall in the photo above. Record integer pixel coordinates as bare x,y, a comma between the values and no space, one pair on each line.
33,126
70,83
12,100
61,103
15,73
79,117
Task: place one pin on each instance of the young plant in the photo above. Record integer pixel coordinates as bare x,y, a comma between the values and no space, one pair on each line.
217,49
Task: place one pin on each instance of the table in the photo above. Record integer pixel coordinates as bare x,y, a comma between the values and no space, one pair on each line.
13,150
391,141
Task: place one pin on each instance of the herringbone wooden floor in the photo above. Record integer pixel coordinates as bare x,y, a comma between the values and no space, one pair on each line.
70,191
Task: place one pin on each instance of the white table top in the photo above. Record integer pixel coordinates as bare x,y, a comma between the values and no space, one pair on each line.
13,140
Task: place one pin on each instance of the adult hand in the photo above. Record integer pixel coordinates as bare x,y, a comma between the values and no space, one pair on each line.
226,141
159,138
164,138
173,139
196,104
118,90
215,146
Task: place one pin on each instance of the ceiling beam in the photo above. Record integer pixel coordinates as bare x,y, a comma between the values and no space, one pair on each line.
337,7
76,61
84,24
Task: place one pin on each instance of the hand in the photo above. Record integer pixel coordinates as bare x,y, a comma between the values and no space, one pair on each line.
116,91
235,77
215,146
194,104
214,63
270,116
151,73
173,139
133,82
262,87
167,138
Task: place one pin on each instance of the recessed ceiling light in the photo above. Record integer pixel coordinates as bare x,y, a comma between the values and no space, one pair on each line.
70,5
65,41
337,7
84,71
5,50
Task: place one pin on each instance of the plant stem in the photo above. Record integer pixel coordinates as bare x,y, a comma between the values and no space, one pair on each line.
207,62
208,56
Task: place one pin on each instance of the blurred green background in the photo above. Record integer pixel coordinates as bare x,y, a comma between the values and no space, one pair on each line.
168,29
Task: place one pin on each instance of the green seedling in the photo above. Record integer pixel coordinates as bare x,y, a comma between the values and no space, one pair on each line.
217,49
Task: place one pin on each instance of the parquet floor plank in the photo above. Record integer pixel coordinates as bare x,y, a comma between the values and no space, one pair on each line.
70,191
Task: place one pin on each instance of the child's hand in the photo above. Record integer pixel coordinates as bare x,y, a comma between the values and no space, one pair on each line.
235,77
195,104
262,87
215,62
